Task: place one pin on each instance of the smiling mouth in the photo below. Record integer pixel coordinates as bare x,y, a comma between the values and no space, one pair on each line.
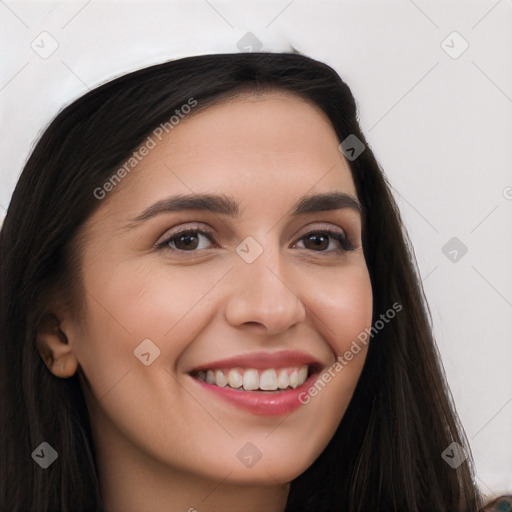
270,380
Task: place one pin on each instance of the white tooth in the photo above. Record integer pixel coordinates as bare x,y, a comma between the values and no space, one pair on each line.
251,380
201,375
303,374
268,380
282,380
294,379
210,377
220,378
235,379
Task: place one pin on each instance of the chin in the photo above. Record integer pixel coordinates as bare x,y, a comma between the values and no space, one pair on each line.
269,472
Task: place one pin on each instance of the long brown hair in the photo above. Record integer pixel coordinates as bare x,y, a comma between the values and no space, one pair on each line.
387,452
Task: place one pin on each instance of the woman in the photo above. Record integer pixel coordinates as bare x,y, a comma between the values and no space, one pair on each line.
208,303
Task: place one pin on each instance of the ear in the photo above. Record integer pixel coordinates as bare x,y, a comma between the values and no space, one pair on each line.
53,347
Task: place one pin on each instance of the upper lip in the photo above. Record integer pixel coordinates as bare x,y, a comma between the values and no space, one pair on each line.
263,360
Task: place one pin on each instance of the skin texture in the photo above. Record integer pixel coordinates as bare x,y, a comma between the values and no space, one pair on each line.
164,443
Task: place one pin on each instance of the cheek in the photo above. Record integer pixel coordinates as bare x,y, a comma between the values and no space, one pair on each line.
345,306
342,309
131,303
151,300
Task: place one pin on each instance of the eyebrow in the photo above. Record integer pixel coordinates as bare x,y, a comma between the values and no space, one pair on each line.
226,205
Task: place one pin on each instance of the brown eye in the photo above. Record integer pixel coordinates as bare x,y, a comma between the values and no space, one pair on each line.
319,241
186,241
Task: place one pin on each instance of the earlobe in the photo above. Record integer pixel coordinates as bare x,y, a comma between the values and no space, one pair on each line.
54,348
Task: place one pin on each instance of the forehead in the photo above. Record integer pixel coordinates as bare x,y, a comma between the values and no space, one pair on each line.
255,145
252,124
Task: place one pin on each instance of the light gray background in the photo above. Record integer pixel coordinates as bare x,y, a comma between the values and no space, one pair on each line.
438,119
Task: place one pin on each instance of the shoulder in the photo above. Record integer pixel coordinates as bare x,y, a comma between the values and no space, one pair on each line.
500,504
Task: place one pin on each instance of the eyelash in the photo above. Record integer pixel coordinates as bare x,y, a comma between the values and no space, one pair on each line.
342,239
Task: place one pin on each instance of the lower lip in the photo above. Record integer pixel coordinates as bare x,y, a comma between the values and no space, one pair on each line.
262,402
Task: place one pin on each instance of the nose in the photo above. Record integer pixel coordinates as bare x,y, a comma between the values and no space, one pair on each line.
260,295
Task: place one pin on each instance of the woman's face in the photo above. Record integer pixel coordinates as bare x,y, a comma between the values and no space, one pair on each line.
258,284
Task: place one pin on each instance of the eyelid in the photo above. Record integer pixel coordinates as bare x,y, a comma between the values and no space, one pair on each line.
316,227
